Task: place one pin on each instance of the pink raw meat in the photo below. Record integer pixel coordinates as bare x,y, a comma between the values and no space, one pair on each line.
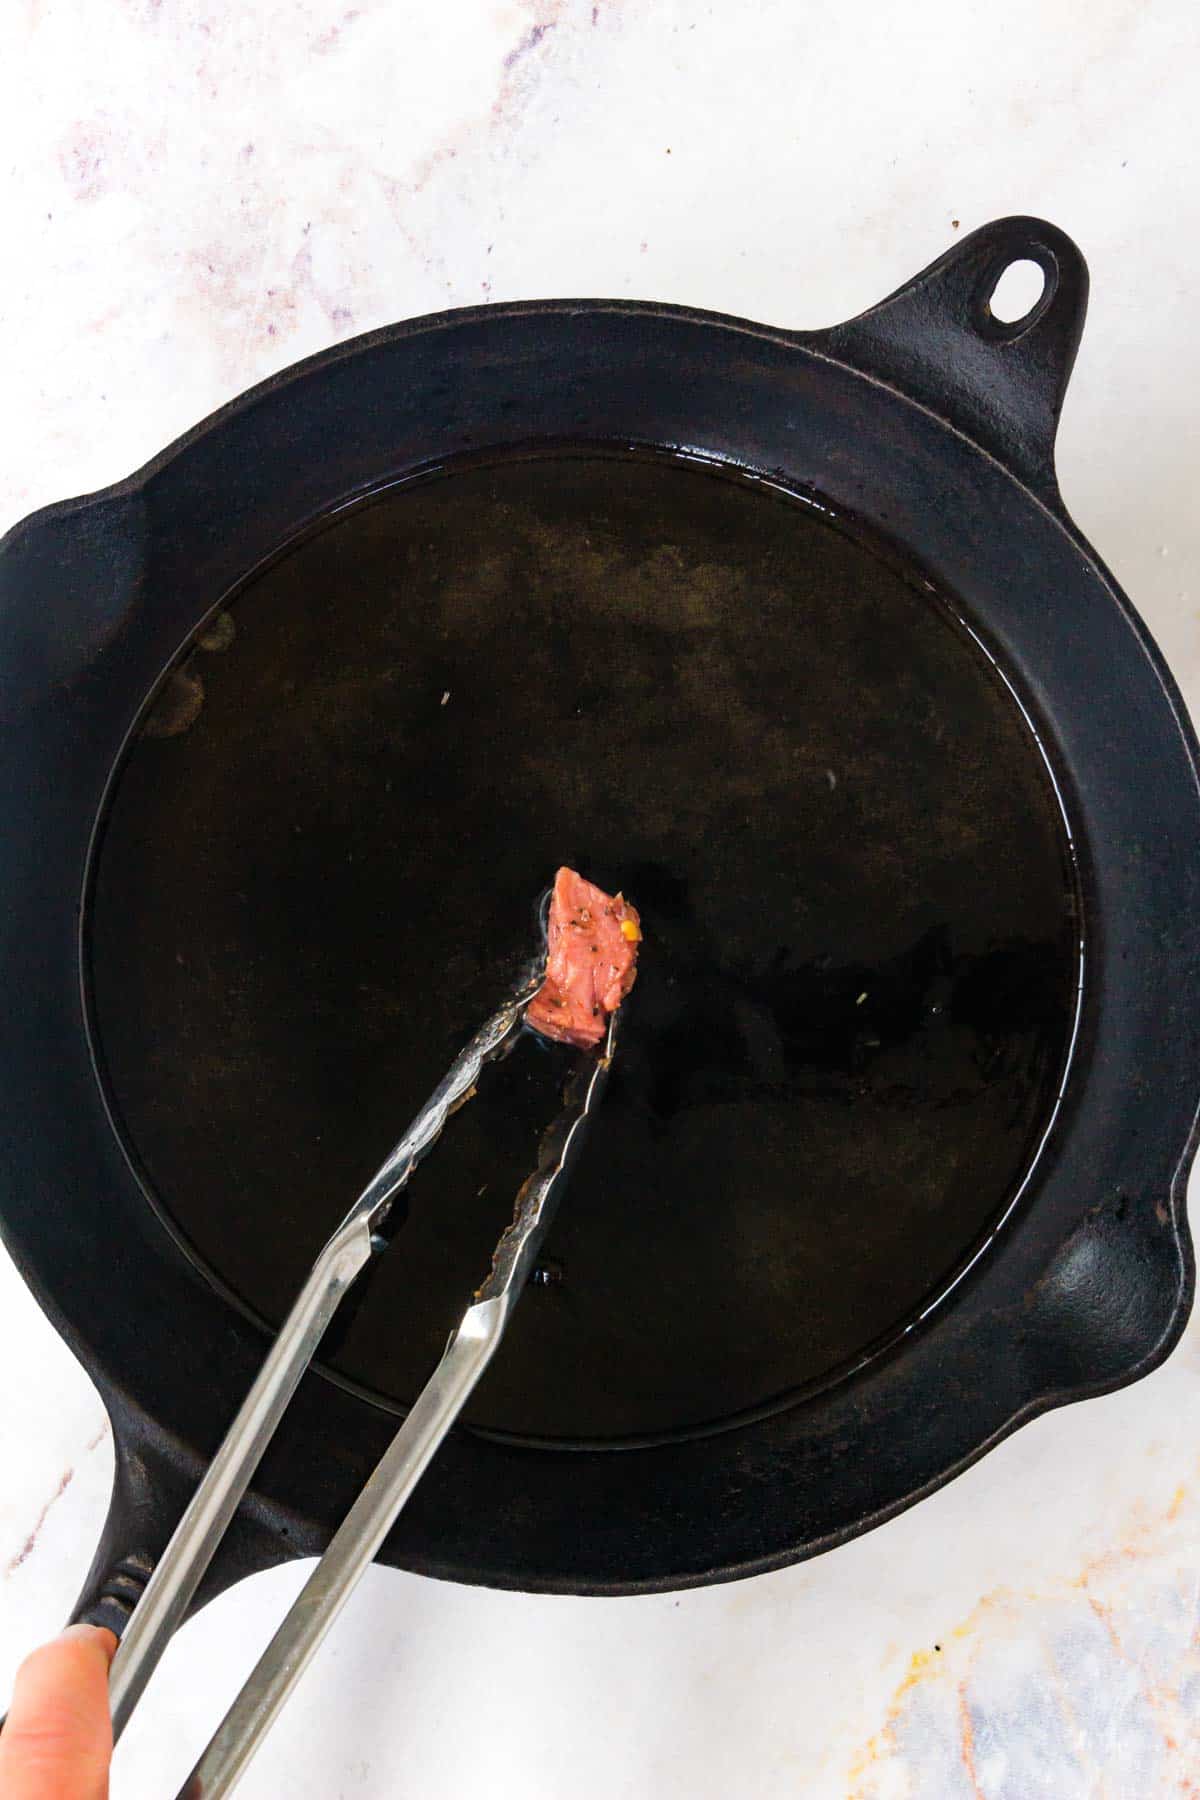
593,943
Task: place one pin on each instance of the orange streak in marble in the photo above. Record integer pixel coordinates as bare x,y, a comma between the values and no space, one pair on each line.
1162,1698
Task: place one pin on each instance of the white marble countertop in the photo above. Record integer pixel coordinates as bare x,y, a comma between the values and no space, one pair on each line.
195,193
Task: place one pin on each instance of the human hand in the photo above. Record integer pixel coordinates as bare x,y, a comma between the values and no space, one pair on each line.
57,1739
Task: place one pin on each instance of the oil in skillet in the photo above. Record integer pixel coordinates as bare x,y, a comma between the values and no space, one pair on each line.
851,1016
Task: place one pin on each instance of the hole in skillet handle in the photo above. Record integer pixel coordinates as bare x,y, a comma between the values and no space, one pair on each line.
1000,382
1014,292
1017,292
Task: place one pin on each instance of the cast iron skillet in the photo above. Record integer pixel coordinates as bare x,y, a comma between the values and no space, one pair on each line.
926,428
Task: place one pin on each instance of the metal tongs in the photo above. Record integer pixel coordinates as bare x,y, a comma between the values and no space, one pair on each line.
172,1586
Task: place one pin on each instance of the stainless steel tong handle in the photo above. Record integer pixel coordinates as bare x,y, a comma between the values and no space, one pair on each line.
172,1586
178,1574
359,1537
351,1550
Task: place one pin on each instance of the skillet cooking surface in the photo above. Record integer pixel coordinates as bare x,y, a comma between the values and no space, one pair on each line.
859,969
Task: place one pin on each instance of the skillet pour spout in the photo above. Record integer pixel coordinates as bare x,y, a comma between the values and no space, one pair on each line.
888,706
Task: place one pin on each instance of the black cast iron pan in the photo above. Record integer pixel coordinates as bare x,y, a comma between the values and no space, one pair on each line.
788,634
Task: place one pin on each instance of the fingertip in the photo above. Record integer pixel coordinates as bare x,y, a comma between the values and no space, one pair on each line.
57,1738
98,1635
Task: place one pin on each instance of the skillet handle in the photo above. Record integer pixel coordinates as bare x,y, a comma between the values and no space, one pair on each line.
150,1494
937,341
